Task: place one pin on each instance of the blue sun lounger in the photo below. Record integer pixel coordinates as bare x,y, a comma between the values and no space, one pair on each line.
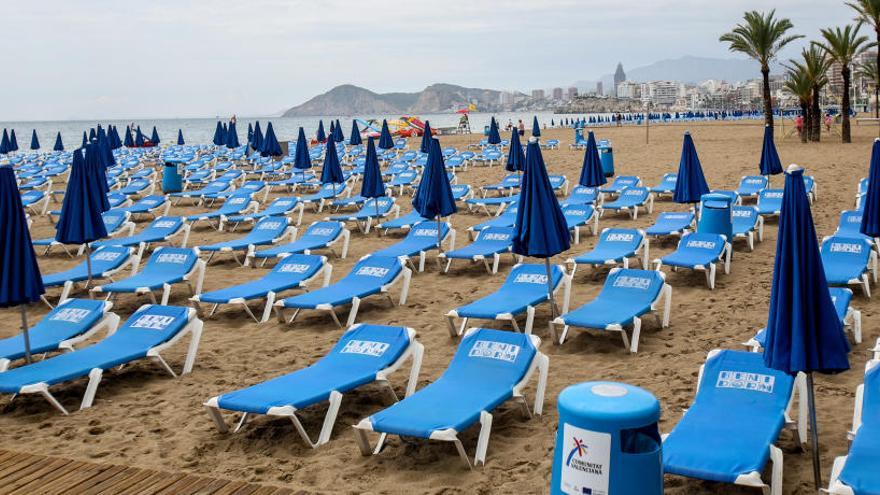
214,187
69,323
402,182
147,333
489,368
490,243
856,473
746,223
364,354
319,235
523,290
280,207
582,195
117,200
106,262
138,187
671,223
162,229
699,251
460,191
370,213
116,222
505,219
630,200
37,202
237,204
615,246
506,185
620,183
149,205
370,276
728,434
577,216
770,202
293,272
251,186
850,226
268,231
666,185
847,260
750,186
421,238
166,267
484,204
405,222
326,194
627,295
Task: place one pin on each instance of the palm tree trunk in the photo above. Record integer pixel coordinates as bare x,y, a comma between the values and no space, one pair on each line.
805,114
844,107
816,117
768,103
877,82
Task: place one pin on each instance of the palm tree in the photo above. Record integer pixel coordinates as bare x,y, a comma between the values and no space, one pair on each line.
868,12
761,37
842,46
868,72
816,64
798,84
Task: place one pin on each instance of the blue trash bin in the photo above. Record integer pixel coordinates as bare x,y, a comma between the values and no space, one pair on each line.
172,181
606,155
607,442
716,215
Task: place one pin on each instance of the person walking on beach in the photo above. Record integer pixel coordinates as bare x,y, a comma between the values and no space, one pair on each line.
521,127
828,121
233,119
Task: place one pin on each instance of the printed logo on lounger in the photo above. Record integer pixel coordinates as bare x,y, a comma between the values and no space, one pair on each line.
175,258
633,192
284,202
294,268
773,194
372,271
584,190
151,202
619,237
425,233
846,247
70,315
494,350
269,226
742,380
754,181
153,322
626,282
626,182
237,201
747,213
165,224
530,278
106,256
111,219
494,236
322,231
365,348
576,212
701,244
678,216
854,219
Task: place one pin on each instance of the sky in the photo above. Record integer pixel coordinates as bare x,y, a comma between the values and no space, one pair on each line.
95,59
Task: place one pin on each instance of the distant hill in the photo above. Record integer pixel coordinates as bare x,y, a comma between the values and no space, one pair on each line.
688,69
353,100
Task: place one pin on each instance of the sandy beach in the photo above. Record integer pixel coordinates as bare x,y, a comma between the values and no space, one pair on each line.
144,418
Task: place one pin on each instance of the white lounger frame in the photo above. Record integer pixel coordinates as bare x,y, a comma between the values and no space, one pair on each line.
835,486
197,273
289,232
564,284
753,479
193,326
365,224
297,210
711,268
750,235
345,236
405,275
645,247
591,223
633,211
630,343
415,350
540,363
133,261
183,230
109,321
449,238
492,268
324,272
863,280
165,206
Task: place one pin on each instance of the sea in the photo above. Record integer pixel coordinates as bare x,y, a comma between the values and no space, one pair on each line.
197,131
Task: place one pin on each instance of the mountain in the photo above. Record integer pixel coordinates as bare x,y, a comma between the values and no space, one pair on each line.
688,69
353,100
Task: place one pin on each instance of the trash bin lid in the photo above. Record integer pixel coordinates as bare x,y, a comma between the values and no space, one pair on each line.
614,405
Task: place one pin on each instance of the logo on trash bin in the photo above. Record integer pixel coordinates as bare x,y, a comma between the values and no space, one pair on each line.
576,460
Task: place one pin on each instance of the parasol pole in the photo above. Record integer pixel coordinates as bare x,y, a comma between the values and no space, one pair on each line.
88,266
553,308
814,431
27,338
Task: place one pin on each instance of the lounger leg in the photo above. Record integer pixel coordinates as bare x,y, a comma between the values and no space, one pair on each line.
667,304
776,473
241,423
215,415
637,329
462,454
866,286
448,264
710,276
363,442
543,370
483,439
450,323
92,388
530,319
495,261
417,355
249,312
267,310
857,326
352,315
751,239
404,291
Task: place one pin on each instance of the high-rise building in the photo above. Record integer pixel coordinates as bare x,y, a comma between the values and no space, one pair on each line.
538,94
572,93
619,75
557,93
628,90
599,88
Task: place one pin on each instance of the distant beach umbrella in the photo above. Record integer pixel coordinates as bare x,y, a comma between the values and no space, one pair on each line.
321,136
129,141
331,173
372,185
59,145
105,155
354,138
84,202
871,211
219,135
540,230
85,140
337,134
770,164
225,132
433,198
257,141
270,144
427,136
4,143
301,159
536,129
494,137
804,333
385,140
13,142
92,135
180,141
552,123
154,137
114,138
139,140
20,279
250,135
232,136
516,157
691,184
591,170
35,143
